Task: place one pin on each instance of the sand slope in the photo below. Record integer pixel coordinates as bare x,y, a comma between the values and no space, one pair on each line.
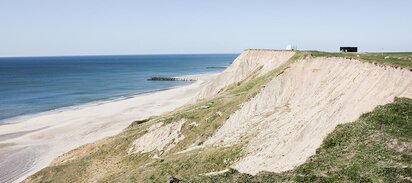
244,65
290,117
292,114
158,137
248,62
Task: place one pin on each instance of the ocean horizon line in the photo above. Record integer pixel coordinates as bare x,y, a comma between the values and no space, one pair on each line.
114,55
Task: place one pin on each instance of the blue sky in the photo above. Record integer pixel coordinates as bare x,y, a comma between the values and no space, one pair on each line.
105,27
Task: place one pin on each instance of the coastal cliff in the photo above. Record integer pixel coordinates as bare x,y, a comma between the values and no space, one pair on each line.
270,111
249,61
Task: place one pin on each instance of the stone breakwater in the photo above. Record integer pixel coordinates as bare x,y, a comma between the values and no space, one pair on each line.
156,78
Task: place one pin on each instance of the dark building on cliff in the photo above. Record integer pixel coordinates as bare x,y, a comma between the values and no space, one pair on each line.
348,49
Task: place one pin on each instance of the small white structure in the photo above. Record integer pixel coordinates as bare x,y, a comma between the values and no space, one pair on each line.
290,47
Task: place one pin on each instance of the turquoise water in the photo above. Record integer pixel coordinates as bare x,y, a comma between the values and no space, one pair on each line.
37,84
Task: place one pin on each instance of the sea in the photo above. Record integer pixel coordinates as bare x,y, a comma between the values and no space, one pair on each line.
32,85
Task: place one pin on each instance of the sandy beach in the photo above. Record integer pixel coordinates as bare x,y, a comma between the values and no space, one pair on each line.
29,144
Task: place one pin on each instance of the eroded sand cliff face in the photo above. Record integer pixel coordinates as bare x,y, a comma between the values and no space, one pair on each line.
288,119
248,62
293,113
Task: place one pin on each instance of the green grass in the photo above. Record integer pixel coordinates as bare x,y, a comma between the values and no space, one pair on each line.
375,148
107,160
397,59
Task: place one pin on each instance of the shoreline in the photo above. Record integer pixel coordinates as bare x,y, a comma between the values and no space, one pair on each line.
195,78
15,119
30,143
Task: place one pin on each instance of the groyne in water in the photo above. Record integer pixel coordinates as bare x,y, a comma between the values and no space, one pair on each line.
156,78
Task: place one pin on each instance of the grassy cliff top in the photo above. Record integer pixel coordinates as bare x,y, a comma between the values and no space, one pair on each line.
402,59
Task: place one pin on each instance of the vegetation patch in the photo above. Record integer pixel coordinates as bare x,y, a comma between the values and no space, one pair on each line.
375,148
